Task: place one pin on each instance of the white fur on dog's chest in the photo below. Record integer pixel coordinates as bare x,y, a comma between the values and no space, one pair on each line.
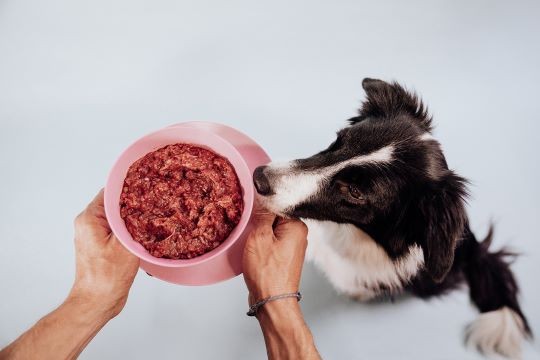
354,263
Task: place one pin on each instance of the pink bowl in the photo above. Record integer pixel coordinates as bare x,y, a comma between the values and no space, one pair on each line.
224,261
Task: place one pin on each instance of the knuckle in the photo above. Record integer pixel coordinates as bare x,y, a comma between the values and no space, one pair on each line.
80,220
303,227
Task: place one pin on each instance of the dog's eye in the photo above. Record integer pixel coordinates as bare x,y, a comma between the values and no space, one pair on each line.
351,192
356,194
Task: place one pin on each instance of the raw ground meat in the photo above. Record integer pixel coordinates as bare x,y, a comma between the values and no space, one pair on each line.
181,201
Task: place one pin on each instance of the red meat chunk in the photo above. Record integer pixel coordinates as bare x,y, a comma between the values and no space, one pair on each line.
181,201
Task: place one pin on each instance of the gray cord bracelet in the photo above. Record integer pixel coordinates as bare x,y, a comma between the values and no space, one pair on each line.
253,309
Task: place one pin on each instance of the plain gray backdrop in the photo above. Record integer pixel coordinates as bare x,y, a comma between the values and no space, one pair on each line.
79,81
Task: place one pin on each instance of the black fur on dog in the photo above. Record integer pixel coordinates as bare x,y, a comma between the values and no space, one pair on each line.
414,200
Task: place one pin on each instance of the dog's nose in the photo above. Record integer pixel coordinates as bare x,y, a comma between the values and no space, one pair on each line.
261,181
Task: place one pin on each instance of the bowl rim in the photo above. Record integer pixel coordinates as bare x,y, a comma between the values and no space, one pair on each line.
130,244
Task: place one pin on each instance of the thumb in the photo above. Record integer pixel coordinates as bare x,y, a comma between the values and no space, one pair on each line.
261,217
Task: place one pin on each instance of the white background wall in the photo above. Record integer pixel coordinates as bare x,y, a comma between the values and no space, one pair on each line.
79,81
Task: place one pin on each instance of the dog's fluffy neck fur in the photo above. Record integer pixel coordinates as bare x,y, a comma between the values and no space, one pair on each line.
360,268
356,264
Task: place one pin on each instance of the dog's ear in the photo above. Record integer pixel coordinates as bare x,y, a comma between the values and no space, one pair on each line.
442,220
371,85
389,100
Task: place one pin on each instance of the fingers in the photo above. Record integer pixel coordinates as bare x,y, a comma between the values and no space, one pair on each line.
92,220
96,207
98,199
262,217
262,232
290,228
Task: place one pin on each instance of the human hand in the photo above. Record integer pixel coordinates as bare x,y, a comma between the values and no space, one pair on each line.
104,268
274,256
273,259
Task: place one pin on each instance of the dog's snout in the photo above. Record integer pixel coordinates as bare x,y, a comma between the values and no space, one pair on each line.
261,182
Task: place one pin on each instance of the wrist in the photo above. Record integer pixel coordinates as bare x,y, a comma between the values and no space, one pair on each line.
285,332
282,314
90,307
262,292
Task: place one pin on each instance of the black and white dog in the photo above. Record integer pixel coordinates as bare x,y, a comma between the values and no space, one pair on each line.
385,214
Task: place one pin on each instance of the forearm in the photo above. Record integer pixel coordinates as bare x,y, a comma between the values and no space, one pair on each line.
285,333
62,334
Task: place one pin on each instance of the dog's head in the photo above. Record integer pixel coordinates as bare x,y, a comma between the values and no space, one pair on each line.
384,173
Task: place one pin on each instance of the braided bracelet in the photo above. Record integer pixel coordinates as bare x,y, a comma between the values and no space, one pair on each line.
253,309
